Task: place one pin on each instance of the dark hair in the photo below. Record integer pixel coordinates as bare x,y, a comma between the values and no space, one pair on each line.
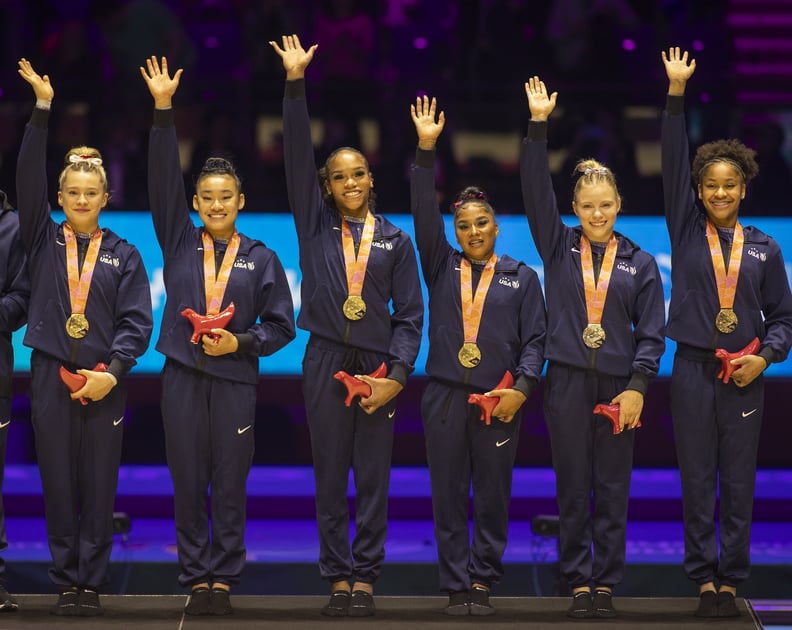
730,151
219,166
324,178
594,172
471,195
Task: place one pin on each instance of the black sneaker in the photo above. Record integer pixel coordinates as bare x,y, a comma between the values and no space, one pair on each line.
338,604
708,604
582,607
220,603
7,602
199,601
361,604
67,603
88,603
602,604
479,602
458,604
727,605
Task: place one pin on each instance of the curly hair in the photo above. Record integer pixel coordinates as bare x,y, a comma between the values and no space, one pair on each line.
471,195
86,160
324,178
593,172
732,152
219,166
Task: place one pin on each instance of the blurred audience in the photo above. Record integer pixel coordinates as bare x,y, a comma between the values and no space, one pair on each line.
400,47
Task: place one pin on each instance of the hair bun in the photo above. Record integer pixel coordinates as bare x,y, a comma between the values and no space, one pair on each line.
471,192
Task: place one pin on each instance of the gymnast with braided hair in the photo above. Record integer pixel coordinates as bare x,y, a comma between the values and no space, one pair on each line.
486,318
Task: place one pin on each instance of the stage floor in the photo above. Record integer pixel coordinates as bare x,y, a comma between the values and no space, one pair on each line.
282,542
146,612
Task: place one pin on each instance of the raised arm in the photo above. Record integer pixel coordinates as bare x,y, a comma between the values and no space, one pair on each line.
678,194
31,176
540,102
539,198
169,209
159,82
295,58
678,70
305,195
429,227
41,85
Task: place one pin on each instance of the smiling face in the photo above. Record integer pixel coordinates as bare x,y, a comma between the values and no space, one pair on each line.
476,230
82,196
596,205
349,183
721,189
218,201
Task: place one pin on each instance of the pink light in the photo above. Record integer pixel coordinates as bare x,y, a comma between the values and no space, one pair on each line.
420,43
628,44
697,45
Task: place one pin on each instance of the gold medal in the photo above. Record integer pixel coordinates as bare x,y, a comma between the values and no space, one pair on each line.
593,336
726,321
469,355
77,326
354,308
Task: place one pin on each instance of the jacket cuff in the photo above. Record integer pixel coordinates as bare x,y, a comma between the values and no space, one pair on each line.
537,130
639,382
425,158
525,385
398,373
163,117
768,354
295,89
675,104
40,117
117,369
245,341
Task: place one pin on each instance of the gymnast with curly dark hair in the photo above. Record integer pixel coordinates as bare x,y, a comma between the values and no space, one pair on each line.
730,295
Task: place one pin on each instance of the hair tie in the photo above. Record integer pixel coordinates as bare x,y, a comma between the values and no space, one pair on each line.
479,195
597,171
74,159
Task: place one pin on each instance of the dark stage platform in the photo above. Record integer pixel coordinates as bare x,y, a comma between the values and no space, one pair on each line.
282,543
302,613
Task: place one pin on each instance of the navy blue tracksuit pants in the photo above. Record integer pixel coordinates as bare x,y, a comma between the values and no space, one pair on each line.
344,437
78,448
716,431
592,466
209,439
460,447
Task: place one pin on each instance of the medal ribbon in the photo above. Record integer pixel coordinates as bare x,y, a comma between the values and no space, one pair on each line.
726,281
596,294
473,305
356,265
214,288
80,284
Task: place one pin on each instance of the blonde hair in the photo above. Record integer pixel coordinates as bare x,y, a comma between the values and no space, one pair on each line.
85,159
593,172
